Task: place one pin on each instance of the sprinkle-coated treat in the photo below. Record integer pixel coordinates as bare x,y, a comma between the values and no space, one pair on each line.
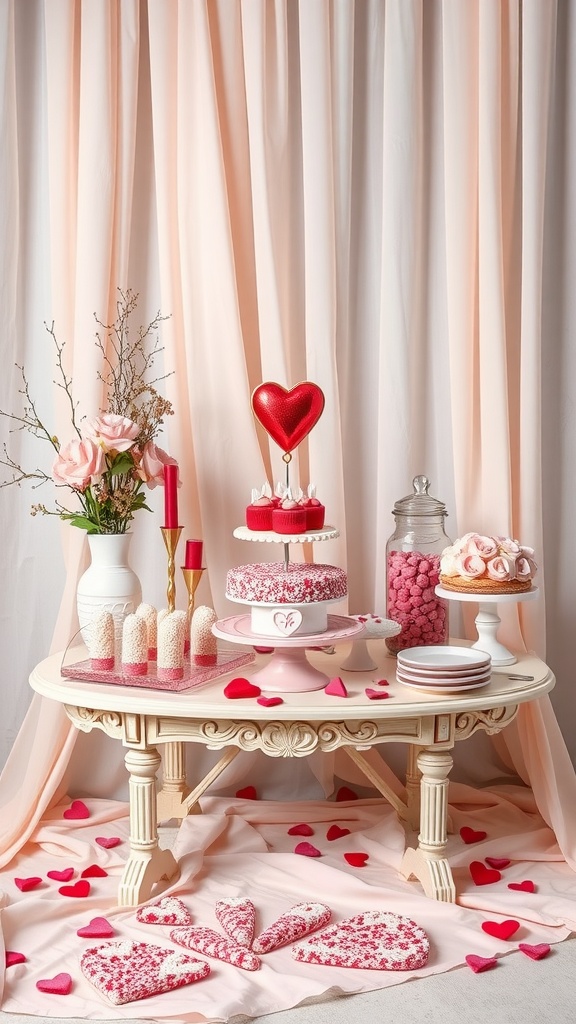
300,920
150,616
203,643
134,646
211,943
101,640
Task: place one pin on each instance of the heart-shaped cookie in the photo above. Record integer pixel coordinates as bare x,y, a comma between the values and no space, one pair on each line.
98,928
240,687
307,850
335,832
287,622
536,952
26,884
375,940
237,916
336,688
209,942
76,811
11,958
108,842
59,985
480,963
526,886
300,920
61,876
356,860
301,830
167,910
471,835
481,875
80,889
501,929
288,416
125,971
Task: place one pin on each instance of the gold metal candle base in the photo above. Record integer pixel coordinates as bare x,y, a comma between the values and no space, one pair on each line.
171,537
192,578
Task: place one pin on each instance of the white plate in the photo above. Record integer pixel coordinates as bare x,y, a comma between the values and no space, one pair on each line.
442,690
448,684
442,673
449,659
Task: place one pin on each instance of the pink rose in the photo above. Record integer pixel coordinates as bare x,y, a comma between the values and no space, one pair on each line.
79,463
509,546
525,568
500,568
471,566
113,433
152,462
486,547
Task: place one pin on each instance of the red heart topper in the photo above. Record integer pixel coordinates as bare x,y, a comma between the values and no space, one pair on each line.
288,416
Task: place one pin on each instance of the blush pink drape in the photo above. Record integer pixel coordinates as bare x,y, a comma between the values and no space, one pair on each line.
352,193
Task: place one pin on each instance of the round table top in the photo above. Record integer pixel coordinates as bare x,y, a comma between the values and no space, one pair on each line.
208,700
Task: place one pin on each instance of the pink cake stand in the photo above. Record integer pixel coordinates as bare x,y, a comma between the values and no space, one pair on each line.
288,670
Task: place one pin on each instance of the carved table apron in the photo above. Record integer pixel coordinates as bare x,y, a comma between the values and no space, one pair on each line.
144,719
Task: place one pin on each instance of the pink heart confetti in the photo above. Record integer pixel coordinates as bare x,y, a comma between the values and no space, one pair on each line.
307,850
248,793
240,687
76,810
500,929
382,682
25,884
98,928
498,862
336,688
537,952
481,875
269,702
94,871
357,860
80,889
525,886
60,985
301,830
470,835
335,832
108,842
12,958
376,694
61,876
480,963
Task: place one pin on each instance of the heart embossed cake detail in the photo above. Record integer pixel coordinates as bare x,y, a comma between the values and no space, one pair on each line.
288,416
288,622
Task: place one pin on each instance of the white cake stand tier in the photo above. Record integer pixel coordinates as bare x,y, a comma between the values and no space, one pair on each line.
488,621
288,670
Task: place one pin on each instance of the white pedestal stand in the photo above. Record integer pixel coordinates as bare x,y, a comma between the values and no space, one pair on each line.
488,621
359,659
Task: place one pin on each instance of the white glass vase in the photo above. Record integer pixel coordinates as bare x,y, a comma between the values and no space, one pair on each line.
108,582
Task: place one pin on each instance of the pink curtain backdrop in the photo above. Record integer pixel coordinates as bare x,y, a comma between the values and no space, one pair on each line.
358,194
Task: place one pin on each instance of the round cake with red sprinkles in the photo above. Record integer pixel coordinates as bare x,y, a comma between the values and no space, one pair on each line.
287,599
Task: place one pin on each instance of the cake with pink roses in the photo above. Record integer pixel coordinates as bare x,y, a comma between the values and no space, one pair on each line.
477,564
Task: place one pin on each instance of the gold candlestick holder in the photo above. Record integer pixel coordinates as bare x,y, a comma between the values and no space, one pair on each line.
192,578
171,537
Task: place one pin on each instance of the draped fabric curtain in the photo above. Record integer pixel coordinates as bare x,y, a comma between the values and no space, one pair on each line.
353,193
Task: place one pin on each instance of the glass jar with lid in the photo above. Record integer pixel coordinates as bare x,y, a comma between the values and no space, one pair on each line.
412,570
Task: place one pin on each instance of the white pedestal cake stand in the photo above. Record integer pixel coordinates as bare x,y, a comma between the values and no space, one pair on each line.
488,621
288,670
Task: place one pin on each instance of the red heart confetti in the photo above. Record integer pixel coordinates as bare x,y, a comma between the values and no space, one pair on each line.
301,830
336,688
98,928
525,886
269,702
382,682
346,794
61,876
537,952
94,871
12,958
480,963
500,929
498,862
80,888
60,985
335,832
470,835
240,687
357,860
108,842
376,694
307,850
481,875
248,793
288,416
25,884
76,810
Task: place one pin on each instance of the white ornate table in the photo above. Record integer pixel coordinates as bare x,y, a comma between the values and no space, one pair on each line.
143,719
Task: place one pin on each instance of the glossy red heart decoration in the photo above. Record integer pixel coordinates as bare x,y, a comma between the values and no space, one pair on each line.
335,832
76,810
481,875
12,958
301,830
336,688
480,963
526,886
357,860
535,952
25,884
240,687
470,835
80,888
269,702
99,928
498,862
500,929
94,871
61,876
248,793
288,416
108,842
307,850
60,985
344,793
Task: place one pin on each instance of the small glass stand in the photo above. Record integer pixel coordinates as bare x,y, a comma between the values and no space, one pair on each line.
488,621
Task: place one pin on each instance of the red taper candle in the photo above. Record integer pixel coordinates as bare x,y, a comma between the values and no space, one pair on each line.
171,497
193,558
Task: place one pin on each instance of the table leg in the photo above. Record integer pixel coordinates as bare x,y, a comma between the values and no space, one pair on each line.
170,799
428,862
147,863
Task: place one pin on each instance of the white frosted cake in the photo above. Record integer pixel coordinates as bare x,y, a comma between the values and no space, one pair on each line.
287,599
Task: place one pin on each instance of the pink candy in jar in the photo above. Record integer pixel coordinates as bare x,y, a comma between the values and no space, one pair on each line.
412,570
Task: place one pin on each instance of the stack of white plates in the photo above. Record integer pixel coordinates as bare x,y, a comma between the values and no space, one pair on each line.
443,669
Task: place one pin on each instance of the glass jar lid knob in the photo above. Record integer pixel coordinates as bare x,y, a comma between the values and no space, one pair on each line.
420,502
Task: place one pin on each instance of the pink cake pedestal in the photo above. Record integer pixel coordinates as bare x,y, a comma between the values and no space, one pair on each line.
288,670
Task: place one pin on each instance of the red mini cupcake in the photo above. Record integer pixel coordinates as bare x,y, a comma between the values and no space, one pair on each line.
290,517
259,512
315,510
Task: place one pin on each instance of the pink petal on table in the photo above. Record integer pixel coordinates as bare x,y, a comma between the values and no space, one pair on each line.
307,850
